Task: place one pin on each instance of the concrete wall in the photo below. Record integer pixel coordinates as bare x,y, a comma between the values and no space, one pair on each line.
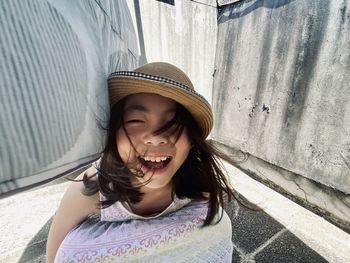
183,33
282,95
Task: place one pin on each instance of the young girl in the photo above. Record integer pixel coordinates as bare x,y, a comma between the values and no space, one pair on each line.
156,193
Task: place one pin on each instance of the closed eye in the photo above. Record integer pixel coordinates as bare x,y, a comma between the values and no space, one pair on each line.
134,121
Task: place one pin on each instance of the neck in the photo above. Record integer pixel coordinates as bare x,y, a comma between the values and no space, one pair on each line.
156,192
154,200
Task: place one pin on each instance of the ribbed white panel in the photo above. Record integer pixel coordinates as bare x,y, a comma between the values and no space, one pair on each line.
54,60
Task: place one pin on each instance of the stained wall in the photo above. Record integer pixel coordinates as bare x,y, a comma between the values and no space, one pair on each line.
282,95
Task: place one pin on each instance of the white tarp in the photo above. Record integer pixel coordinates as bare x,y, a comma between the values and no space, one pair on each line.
55,58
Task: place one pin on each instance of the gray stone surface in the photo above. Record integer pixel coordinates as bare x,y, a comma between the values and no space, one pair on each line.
236,256
281,86
287,248
250,228
332,204
35,250
329,241
258,238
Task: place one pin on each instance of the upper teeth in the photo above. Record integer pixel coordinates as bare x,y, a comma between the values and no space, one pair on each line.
155,159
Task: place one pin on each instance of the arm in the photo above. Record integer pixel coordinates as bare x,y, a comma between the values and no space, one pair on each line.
74,208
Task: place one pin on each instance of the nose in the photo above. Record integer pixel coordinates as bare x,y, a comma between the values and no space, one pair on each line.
155,139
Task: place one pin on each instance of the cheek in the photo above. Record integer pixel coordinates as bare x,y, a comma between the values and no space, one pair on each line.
184,145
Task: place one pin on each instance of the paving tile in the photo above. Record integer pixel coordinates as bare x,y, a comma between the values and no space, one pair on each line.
236,256
34,253
35,250
288,249
250,228
231,208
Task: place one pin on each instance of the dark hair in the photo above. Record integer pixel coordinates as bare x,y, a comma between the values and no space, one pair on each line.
201,172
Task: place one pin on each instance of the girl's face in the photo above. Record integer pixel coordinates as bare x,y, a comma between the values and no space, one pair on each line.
158,156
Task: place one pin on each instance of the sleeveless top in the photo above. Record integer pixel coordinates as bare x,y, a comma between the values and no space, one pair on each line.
174,235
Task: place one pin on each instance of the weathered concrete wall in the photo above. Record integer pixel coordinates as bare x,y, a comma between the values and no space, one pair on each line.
183,33
282,91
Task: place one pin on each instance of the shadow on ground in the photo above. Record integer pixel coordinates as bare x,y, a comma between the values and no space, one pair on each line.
35,251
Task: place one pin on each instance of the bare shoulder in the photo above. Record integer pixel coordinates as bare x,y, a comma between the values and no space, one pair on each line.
74,195
74,208
90,172
206,195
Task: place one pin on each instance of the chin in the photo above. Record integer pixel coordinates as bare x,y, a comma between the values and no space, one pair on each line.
156,183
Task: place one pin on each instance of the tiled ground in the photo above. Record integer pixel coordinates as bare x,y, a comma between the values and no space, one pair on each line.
259,238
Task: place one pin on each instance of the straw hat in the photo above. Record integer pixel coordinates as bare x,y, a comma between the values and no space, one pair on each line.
166,80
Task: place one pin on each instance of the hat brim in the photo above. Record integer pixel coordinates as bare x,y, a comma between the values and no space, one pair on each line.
122,86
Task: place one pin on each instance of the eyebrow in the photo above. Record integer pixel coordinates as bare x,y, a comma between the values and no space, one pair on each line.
137,107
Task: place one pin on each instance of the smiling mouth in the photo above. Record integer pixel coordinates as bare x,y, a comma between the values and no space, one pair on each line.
154,163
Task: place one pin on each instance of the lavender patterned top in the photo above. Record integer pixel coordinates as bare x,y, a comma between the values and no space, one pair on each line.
174,235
